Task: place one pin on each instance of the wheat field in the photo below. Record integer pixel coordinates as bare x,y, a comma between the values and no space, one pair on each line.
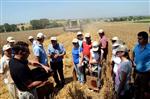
126,31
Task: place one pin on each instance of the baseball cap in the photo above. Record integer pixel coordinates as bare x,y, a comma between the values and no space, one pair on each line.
10,39
30,37
123,48
115,38
100,31
95,46
40,35
75,40
53,38
87,35
6,47
79,33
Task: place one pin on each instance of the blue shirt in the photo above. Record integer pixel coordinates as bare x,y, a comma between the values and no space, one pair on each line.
76,54
58,49
142,58
39,51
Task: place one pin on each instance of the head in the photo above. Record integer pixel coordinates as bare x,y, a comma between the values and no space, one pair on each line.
54,41
75,43
114,39
10,41
31,38
40,37
7,50
88,37
142,38
22,50
101,32
123,51
95,46
79,36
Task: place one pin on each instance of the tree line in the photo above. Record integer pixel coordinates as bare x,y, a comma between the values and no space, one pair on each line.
35,24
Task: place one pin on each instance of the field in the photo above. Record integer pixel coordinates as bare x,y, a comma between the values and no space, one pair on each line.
72,90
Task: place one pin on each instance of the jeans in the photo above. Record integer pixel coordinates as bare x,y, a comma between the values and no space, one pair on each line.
79,71
57,68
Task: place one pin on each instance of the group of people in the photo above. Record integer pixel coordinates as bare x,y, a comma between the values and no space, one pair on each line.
137,68
87,55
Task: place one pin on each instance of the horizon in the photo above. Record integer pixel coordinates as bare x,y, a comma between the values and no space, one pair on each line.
21,11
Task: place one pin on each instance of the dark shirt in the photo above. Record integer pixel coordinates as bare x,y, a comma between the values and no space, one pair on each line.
21,74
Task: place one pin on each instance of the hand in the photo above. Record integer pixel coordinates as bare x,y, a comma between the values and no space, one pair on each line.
47,69
56,55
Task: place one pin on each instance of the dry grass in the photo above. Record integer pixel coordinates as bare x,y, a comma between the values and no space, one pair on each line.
125,31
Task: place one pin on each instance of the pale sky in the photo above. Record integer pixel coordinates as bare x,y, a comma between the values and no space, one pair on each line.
20,11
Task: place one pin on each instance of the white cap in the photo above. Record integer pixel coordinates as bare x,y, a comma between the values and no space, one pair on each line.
118,43
95,46
123,48
75,40
79,33
40,35
87,35
100,31
10,39
53,38
115,38
30,37
6,47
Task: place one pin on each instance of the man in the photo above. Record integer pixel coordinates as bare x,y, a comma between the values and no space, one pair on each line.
103,42
4,70
141,58
32,40
56,53
39,51
80,38
21,74
87,45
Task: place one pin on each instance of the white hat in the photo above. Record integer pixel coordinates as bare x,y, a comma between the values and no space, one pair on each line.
53,38
100,31
6,47
115,38
118,43
30,37
10,39
40,35
87,35
95,46
79,33
123,48
75,40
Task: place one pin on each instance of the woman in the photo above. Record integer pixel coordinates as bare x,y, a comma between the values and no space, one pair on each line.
77,60
95,61
123,74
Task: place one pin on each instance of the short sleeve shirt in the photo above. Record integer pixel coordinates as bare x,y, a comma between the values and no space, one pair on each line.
76,54
142,58
20,73
58,49
39,51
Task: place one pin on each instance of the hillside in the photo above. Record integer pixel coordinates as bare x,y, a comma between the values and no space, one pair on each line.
73,90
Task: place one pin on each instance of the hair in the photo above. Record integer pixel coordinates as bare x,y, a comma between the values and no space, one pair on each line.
20,46
143,34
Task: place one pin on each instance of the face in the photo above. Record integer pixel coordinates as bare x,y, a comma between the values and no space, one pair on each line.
119,53
88,39
76,45
8,52
54,42
141,40
80,37
113,41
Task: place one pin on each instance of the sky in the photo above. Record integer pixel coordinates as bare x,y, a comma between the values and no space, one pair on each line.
20,11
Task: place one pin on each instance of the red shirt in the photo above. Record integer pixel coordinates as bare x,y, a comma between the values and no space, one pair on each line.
86,49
